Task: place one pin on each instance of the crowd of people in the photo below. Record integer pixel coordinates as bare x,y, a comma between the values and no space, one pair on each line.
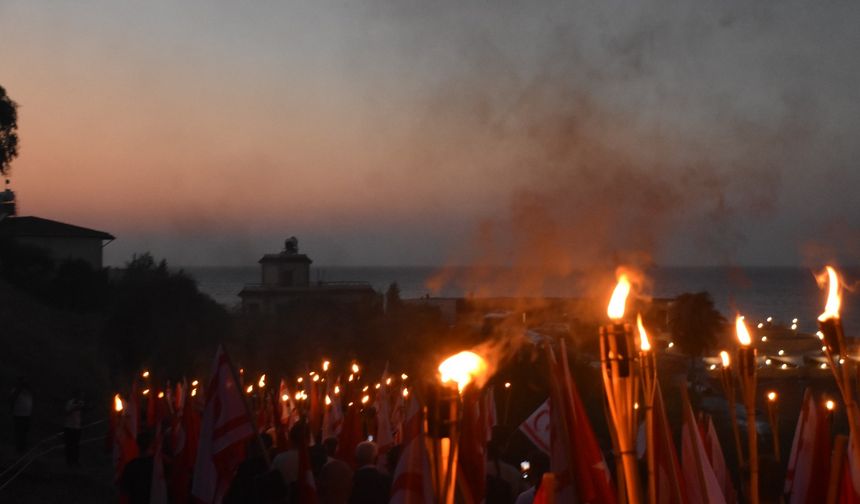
269,474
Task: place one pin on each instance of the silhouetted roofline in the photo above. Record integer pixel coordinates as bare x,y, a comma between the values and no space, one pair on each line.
32,227
282,257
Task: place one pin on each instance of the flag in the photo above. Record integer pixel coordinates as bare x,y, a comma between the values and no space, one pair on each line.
537,427
580,471
384,437
351,434
667,470
224,431
715,455
809,463
411,483
700,481
545,494
185,435
849,484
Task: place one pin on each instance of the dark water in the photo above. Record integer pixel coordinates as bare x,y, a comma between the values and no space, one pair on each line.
782,293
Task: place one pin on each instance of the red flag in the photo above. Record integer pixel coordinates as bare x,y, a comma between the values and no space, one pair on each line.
718,462
350,435
224,432
471,478
575,458
809,463
669,481
700,481
384,437
849,484
411,481
186,433
333,417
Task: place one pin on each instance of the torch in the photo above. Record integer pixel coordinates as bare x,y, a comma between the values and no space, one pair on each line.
648,369
772,417
729,391
444,414
747,372
621,384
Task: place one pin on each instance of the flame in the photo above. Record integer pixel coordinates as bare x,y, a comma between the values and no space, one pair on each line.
619,298
771,396
366,388
404,376
336,389
145,392
365,399
316,378
145,374
644,344
327,400
194,383
388,381
298,396
725,357
834,299
462,368
830,405
377,386
508,384
193,392
742,332
355,368
249,389
161,395
262,382
285,397
300,379
326,365
351,376
405,392
117,403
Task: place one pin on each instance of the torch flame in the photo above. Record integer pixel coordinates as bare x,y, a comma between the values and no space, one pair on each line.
161,395
830,405
117,403
355,368
619,298
326,365
249,389
262,382
327,400
742,332
644,344
725,357
462,368
834,299
193,392
771,396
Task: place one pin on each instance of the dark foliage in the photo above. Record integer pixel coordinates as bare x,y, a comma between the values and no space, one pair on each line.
158,319
8,131
695,323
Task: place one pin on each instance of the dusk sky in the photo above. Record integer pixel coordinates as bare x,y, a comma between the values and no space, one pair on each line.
407,132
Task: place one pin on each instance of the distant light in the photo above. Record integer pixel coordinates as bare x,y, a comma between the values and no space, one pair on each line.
764,338
830,405
794,321
824,349
145,374
194,383
671,344
841,360
781,352
784,366
771,396
820,335
760,325
404,376
823,365
636,405
507,384
793,327
713,367
770,319
767,362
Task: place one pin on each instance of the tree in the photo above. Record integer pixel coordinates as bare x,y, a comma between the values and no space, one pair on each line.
695,323
8,131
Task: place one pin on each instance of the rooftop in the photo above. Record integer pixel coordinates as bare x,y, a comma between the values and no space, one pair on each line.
29,226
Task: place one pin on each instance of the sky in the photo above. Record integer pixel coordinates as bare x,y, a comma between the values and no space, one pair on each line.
561,133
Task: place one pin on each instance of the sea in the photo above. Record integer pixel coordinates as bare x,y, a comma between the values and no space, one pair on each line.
783,293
